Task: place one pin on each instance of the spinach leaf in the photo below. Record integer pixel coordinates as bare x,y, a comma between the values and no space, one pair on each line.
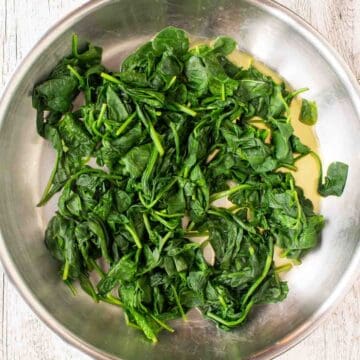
136,160
171,38
123,270
57,92
224,45
335,179
309,112
118,111
298,146
196,75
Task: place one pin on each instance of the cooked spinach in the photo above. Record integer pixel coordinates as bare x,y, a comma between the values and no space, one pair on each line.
308,113
172,132
335,179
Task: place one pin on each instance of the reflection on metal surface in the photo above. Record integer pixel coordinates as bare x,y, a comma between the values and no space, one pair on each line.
275,37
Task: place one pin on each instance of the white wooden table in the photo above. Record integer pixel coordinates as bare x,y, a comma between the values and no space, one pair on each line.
22,334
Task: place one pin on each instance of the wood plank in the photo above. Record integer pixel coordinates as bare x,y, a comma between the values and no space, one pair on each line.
338,337
22,334
2,315
356,39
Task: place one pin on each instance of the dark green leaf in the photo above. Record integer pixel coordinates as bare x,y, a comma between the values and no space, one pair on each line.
308,113
171,38
335,180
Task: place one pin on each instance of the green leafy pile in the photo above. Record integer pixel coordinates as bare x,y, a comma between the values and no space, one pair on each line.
173,131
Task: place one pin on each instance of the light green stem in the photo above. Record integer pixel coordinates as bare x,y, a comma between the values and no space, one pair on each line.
134,235
234,322
125,124
268,262
226,193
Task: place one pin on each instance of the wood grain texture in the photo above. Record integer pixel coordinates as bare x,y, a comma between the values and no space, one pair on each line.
22,334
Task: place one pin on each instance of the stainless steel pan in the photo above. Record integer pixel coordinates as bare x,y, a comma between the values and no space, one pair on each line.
273,35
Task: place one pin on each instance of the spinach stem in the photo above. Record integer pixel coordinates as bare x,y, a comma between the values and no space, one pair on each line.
97,268
125,124
283,268
178,303
112,300
296,93
184,109
45,196
162,192
288,166
134,235
150,127
66,270
129,323
170,226
299,157
318,161
171,83
191,234
148,171
111,78
164,239
165,215
147,225
100,119
176,141
233,322
162,324
77,75
156,139
71,286
255,285
74,45
223,92
298,205
225,193
142,200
